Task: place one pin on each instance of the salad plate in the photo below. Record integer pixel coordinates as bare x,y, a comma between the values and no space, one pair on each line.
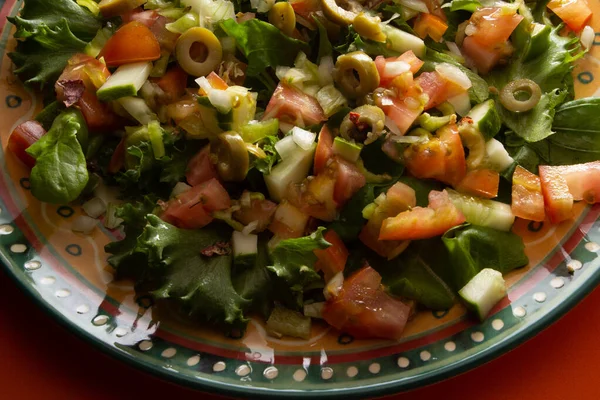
67,273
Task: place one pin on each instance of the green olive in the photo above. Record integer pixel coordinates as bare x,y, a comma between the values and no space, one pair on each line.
230,155
283,17
356,74
342,13
369,27
364,124
473,140
508,95
198,51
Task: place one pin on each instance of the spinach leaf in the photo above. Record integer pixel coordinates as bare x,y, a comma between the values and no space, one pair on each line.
350,221
264,165
472,248
422,187
325,48
377,162
354,42
60,173
262,44
577,124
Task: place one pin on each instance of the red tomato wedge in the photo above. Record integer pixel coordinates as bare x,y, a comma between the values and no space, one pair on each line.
332,259
483,57
148,17
193,209
557,198
434,86
583,180
260,211
315,196
441,158
293,106
395,66
117,161
22,137
494,25
324,150
348,180
173,84
288,221
363,309
133,42
430,25
527,198
200,168
423,222
575,13
403,112
481,183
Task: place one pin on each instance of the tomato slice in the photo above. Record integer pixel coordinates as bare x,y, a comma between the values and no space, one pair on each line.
288,221
148,17
293,106
527,198
575,13
22,137
193,209
387,75
583,180
315,196
133,42
423,222
363,309
260,211
117,161
200,168
434,86
481,183
429,25
173,84
324,150
493,25
557,198
483,57
403,112
332,259
348,180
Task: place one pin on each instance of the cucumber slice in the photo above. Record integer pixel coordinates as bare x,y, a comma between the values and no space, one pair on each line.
138,109
400,41
291,170
482,212
349,151
483,291
245,249
486,119
285,322
498,158
539,42
126,81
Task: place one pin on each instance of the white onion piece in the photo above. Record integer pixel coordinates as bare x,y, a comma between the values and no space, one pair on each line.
461,103
326,71
417,5
286,147
334,286
83,224
407,139
248,229
284,127
587,37
453,47
204,84
454,74
395,68
94,207
221,99
303,138
180,187
391,125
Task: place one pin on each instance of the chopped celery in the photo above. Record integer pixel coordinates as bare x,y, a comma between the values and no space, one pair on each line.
255,131
160,66
431,123
155,133
189,20
94,47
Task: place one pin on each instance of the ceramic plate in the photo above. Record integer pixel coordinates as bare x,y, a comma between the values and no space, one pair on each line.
68,275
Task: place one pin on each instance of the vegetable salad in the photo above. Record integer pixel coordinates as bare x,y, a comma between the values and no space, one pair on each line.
339,160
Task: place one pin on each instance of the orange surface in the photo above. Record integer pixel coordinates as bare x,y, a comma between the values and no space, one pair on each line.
41,360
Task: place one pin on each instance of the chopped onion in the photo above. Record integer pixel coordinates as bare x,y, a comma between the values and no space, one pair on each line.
587,37
221,99
314,310
246,200
111,221
281,71
407,139
248,229
228,44
391,125
286,147
412,103
454,74
303,138
461,103
395,68
470,29
284,127
108,194
334,286
94,207
83,224
326,71
204,84
180,187
454,49
417,5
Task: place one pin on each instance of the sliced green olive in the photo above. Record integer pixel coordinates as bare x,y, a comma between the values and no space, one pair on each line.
473,140
356,74
364,124
342,13
369,27
527,87
230,155
198,51
283,17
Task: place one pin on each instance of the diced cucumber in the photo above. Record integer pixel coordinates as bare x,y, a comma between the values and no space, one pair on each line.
291,170
498,158
400,41
483,291
286,147
349,151
486,119
126,81
94,47
138,109
245,249
483,212
461,103
160,66
255,131
285,322
539,42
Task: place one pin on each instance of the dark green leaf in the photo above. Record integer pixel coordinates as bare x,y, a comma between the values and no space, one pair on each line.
350,221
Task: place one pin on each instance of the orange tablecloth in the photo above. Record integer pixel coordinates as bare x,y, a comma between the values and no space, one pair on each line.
41,360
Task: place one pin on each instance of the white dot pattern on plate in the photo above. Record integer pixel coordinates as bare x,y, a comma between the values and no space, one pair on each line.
326,373
100,320
219,366
477,337
169,352
145,345
540,297
403,362
299,375
519,312
352,371
592,246
62,293
450,346
33,265
497,324
47,280
574,265
6,229
243,370
18,248
425,355
193,361
557,282
82,309
270,372
374,368
120,331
